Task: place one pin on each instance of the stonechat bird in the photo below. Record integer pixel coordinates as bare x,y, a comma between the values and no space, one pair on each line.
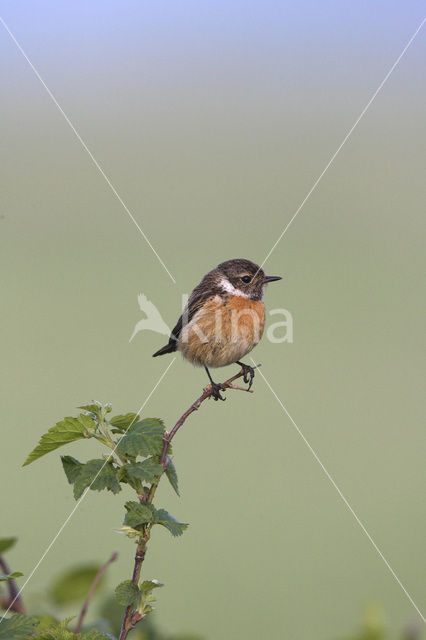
223,319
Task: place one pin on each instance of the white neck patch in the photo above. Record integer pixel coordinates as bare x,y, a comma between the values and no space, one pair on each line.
229,288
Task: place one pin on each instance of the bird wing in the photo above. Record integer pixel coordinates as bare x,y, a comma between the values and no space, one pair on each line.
196,300
203,292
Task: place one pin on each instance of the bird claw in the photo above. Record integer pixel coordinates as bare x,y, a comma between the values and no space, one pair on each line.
248,374
216,389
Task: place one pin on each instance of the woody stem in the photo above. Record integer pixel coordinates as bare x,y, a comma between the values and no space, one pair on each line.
207,393
132,617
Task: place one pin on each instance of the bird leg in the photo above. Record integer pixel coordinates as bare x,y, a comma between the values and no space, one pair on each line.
248,373
217,387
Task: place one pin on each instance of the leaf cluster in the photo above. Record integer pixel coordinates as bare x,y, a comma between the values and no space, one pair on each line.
139,515
135,447
71,587
139,597
136,439
19,627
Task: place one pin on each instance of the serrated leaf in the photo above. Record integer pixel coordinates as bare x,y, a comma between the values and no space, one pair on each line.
17,627
128,478
74,584
45,621
147,609
146,471
64,431
122,422
92,408
127,594
149,585
4,577
87,421
138,514
96,474
143,438
6,544
72,468
161,516
56,631
172,475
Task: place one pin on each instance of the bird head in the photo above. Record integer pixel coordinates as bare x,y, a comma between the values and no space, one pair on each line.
242,277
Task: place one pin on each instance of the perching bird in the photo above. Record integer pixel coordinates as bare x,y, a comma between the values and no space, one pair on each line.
223,319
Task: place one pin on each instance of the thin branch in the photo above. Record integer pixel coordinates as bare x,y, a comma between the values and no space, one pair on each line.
14,597
207,393
131,618
92,589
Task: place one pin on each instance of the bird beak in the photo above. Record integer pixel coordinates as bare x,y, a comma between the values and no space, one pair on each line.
272,278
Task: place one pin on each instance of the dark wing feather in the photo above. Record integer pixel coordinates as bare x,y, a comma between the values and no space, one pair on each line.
195,302
198,297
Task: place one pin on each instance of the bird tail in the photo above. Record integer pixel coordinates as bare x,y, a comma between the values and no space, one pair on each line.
168,348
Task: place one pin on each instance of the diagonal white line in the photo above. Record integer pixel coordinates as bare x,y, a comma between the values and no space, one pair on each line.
339,148
339,491
64,524
86,148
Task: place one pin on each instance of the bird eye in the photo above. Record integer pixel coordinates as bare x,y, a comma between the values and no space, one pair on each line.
246,279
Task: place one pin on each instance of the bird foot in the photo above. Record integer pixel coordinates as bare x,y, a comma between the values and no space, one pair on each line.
248,374
216,389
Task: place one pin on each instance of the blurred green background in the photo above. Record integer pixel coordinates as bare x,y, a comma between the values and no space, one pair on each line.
213,120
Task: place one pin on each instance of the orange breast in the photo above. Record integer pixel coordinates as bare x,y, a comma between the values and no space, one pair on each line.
223,331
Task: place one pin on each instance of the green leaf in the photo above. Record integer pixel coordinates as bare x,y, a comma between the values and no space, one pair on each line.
72,468
6,544
161,516
146,471
4,577
65,431
172,475
124,476
144,438
127,594
17,627
74,584
45,621
96,635
95,408
123,422
97,474
138,514
87,421
149,585
56,631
